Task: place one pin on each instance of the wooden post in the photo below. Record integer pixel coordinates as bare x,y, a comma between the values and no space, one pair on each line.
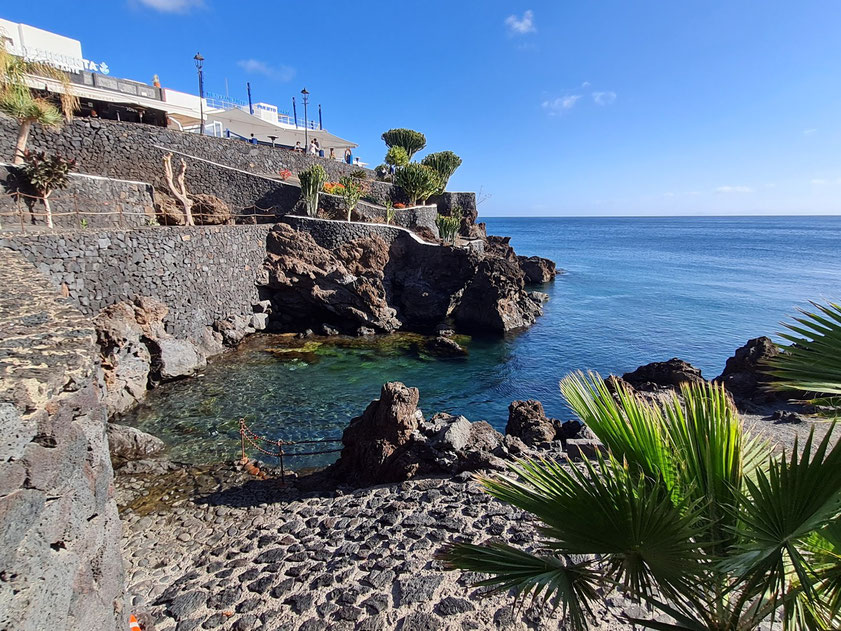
179,192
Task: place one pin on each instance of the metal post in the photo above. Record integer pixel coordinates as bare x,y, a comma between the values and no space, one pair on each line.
305,99
242,438
250,107
320,124
295,112
199,67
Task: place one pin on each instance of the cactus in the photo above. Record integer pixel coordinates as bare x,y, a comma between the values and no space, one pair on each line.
410,140
448,228
396,156
312,180
389,212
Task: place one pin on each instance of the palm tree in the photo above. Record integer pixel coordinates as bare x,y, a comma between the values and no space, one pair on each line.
685,512
18,101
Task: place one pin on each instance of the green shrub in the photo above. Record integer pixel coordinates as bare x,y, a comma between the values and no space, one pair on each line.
417,181
448,228
351,192
312,180
45,174
359,174
396,156
410,140
445,164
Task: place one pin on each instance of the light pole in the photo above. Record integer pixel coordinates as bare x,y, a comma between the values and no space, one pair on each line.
305,98
199,64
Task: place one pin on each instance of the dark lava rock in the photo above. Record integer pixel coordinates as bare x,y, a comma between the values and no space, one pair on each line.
419,621
537,269
442,346
743,374
418,588
129,443
669,374
185,604
781,416
392,442
452,606
528,421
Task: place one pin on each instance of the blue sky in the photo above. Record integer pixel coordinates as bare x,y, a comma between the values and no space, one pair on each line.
579,107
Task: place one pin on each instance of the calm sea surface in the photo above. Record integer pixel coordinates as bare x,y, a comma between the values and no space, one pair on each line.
636,290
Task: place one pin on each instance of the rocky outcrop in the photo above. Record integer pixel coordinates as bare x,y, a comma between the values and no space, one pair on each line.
495,299
207,210
528,421
60,533
129,443
537,270
392,442
668,374
744,375
368,283
137,351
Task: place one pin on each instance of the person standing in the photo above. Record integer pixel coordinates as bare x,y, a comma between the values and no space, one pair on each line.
253,140
348,156
312,150
332,154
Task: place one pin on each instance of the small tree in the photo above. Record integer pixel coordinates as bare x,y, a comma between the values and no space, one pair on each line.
46,174
312,179
418,182
178,187
445,164
410,140
396,157
18,101
351,191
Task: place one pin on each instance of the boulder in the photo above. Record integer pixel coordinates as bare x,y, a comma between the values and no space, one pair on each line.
168,209
528,421
743,375
537,270
209,210
442,346
174,358
495,300
392,442
129,443
668,374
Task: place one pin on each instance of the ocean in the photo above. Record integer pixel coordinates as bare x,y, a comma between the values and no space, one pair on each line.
634,291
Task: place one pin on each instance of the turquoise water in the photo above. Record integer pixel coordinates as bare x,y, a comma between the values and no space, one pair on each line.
636,290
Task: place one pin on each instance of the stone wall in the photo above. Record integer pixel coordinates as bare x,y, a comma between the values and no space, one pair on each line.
202,273
91,201
127,150
330,233
60,562
333,207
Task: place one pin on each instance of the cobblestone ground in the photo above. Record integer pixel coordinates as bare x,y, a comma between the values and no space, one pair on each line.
215,549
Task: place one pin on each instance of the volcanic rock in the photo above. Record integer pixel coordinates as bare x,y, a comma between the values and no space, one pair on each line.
537,270
442,346
209,210
495,300
668,374
129,443
528,421
743,374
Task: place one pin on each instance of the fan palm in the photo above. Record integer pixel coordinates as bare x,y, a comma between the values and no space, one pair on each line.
812,363
685,511
18,101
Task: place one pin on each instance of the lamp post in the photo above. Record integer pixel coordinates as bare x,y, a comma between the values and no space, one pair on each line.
199,64
305,98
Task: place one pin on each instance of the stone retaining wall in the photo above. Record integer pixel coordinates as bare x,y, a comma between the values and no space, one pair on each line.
202,273
330,233
91,201
127,150
333,207
60,533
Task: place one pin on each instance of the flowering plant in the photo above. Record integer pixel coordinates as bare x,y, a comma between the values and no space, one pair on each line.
333,188
285,174
399,205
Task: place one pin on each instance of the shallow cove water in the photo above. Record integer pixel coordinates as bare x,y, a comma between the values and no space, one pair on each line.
636,290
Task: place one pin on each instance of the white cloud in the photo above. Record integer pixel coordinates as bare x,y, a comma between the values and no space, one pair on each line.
255,66
586,84
604,98
819,180
521,26
172,6
809,132
561,104
734,189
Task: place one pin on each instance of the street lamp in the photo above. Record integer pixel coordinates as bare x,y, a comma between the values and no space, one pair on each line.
199,64
305,99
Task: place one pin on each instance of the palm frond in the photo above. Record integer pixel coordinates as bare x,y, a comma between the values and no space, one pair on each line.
611,509
781,510
812,363
541,578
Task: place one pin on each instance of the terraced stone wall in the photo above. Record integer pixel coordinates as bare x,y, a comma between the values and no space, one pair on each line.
202,273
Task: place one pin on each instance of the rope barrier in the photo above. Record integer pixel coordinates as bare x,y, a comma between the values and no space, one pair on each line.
247,435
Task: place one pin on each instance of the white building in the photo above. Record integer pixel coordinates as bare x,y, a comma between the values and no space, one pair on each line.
105,96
